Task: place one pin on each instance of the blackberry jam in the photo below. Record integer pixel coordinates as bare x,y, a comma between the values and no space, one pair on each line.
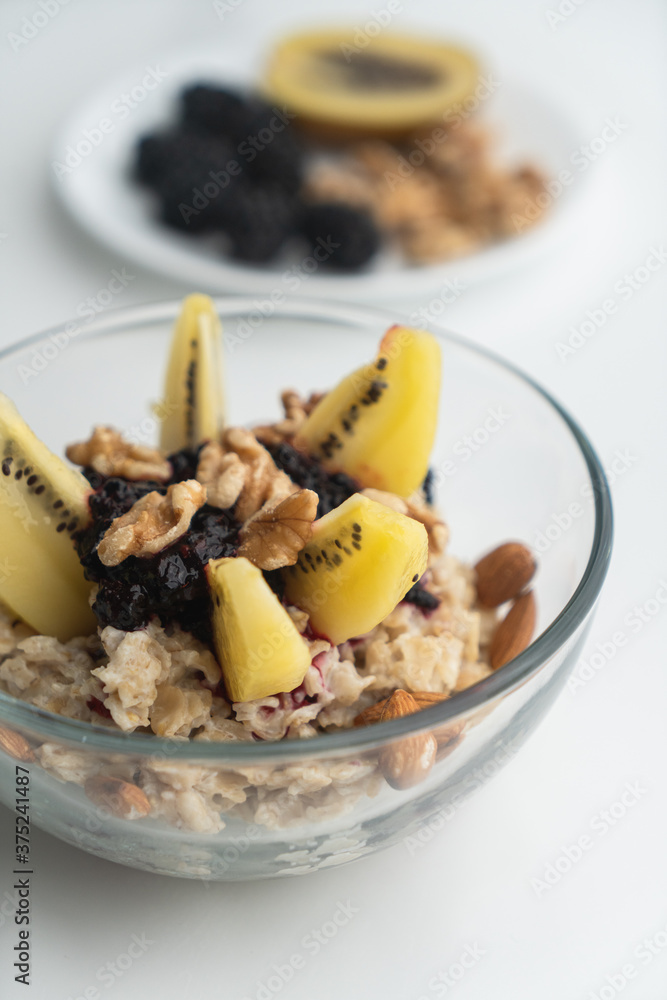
332,488
171,584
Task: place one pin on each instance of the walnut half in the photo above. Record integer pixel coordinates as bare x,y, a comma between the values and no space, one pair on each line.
107,453
241,471
264,481
222,473
275,535
152,523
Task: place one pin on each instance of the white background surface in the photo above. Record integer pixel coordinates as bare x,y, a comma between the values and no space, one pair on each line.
472,884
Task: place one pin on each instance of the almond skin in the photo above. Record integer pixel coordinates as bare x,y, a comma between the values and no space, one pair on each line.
503,573
514,632
406,762
16,746
423,699
120,798
448,738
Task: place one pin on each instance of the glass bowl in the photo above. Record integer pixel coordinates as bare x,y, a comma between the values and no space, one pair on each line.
509,463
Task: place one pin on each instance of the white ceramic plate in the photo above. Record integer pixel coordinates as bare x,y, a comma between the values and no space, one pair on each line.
98,193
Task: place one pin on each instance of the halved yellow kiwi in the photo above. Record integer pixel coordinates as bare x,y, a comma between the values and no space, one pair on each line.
345,81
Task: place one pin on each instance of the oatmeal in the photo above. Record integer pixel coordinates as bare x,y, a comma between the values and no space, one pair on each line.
255,586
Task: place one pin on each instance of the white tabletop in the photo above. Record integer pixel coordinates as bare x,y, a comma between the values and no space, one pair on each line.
478,887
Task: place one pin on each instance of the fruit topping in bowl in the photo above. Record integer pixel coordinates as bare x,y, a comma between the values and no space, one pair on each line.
237,584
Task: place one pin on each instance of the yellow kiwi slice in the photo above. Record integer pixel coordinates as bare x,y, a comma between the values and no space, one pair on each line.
193,405
361,561
378,424
42,503
258,646
344,80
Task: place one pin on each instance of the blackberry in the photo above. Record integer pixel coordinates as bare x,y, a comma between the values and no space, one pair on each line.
422,598
153,156
195,196
171,584
115,496
159,154
264,142
182,207
124,606
94,478
260,223
272,153
184,464
332,488
350,234
216,110
280,163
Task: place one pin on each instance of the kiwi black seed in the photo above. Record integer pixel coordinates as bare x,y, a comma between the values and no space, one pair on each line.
32,484
369,71
190,395
349,418
348,542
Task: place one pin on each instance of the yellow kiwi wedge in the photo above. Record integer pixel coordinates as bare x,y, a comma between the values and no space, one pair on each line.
378,425
42,503
347,81
361,561
259,649
193,404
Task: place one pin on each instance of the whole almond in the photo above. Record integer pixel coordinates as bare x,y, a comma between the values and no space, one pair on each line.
448,737
15,745
423,699
406,762
503,573
514,632
120,798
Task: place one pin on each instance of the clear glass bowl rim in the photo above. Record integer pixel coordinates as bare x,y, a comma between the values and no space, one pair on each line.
501,682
